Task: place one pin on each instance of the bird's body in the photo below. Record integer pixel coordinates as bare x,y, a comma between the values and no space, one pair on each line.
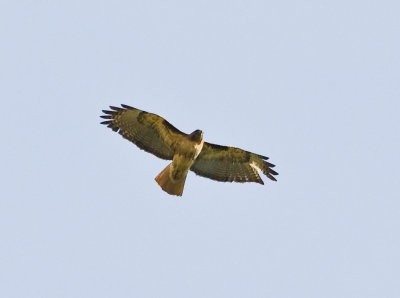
172,178
156,135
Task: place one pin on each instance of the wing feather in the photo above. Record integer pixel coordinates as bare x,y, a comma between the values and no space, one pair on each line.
148,131
223,163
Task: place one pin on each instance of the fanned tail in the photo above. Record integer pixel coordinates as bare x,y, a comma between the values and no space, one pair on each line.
168,184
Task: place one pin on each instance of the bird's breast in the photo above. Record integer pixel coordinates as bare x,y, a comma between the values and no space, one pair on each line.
184,158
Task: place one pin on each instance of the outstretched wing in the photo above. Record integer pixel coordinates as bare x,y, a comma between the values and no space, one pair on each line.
224,163
148,131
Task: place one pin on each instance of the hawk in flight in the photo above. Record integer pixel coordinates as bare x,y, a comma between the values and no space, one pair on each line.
156,135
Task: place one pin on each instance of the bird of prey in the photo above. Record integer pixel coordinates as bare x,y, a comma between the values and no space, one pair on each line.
156,135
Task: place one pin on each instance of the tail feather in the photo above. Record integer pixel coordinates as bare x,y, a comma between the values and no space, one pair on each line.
167,184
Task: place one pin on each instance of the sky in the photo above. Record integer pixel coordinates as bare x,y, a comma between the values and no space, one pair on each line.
314,85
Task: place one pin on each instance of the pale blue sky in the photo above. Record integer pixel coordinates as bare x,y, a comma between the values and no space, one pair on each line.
314,85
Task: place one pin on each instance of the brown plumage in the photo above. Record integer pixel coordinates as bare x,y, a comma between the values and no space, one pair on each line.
167,184
156,135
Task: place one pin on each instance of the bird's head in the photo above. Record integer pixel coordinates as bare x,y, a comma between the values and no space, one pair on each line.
196,136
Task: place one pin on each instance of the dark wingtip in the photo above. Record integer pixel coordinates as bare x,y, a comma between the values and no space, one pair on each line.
116,108
270,173
273,172
127,107
272,178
